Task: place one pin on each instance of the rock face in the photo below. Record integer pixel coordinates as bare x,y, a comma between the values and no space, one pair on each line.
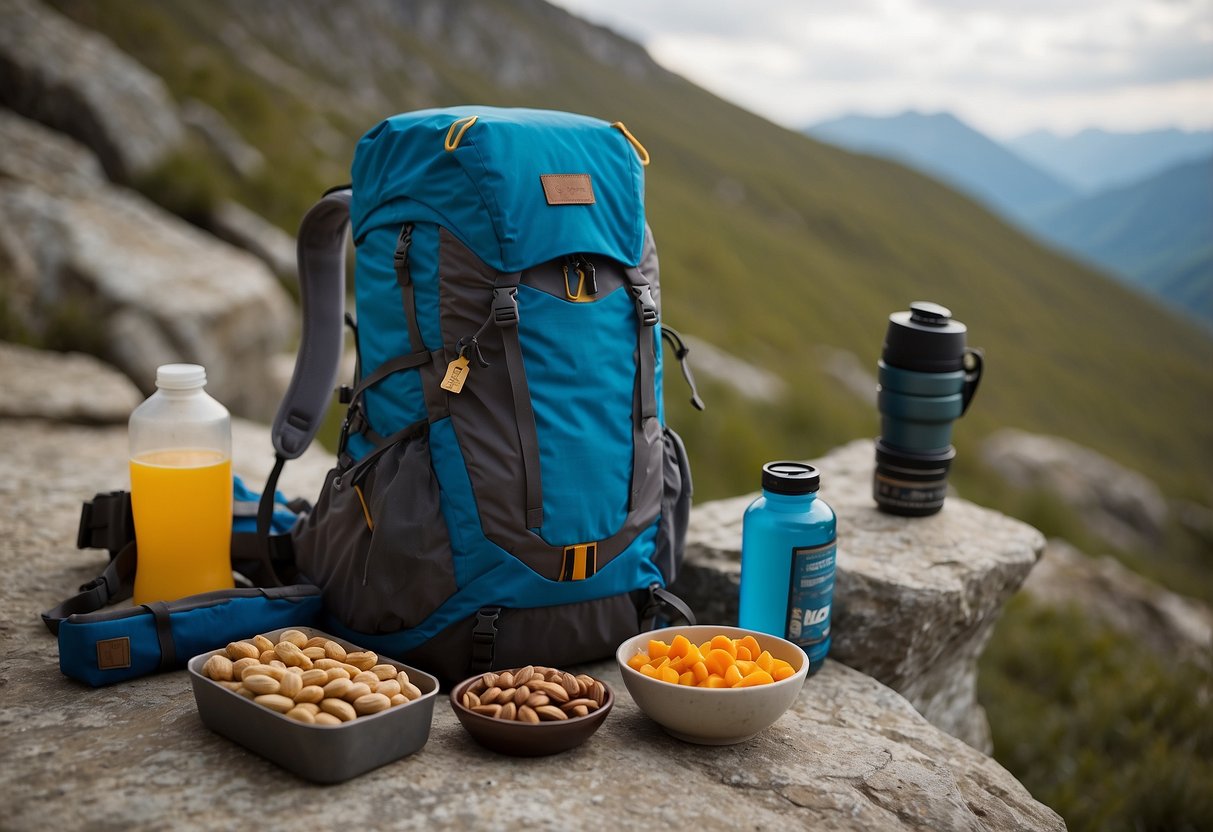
851,754
128,281
1168,624
78,82
1123,507
915,599
70,387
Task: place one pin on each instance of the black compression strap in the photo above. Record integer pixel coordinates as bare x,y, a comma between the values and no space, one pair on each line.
114,584
164,634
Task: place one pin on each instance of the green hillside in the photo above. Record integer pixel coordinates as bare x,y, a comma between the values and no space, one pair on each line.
771,243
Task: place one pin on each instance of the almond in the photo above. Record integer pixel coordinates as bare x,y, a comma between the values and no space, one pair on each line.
339,708
260,684
521,695
371,703
338,688
275,702
314,653
314,677
410,690
571,687
333,650
523,675
550,712
399,699
325,718
385,671
356,689
508,710
240,665
290,685
309,693
242,650
363,661
294,637
301,715
488,710
316,641
527,714
490,696
218,667
262,644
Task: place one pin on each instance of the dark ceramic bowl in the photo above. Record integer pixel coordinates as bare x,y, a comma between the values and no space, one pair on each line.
525,739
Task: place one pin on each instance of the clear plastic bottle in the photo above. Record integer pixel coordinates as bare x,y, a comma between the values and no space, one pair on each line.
181,488
788,546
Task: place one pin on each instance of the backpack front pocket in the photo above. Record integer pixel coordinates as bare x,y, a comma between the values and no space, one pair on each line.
377,544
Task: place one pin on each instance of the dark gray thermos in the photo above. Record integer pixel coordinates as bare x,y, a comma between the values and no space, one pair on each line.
927,380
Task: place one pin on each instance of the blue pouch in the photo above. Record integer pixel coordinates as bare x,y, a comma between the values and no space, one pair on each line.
100,646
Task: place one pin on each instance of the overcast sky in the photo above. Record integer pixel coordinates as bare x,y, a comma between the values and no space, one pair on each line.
1005,67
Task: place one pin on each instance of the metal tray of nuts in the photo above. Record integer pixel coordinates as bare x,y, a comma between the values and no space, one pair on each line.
320,753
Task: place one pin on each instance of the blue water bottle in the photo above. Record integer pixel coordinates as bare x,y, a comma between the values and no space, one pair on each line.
788,545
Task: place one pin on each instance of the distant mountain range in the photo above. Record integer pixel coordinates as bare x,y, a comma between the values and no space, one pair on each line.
1095,160
943,146
1139,206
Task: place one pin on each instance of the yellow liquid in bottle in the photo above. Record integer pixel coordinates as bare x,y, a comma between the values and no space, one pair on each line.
182,502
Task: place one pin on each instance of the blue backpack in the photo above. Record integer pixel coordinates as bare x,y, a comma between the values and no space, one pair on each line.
506,489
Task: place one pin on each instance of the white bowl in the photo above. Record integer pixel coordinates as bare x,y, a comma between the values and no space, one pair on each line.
712,716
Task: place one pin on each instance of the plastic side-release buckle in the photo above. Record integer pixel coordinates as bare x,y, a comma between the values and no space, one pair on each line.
106,522
505,306
646,308
484,638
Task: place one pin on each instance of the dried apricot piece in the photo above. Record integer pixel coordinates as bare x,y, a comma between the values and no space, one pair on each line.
667,674
700,671
782,672
678,647
724,643
687,678
750,643
639,659
732,676
657,649
718,661
758,677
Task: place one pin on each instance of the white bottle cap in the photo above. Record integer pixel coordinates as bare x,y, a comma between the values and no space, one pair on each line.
180,376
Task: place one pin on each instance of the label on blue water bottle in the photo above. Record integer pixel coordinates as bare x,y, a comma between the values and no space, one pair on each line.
810,595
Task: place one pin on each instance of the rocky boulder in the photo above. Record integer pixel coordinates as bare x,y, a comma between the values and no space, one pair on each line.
78,82
915,598
1166,623
850,754
113,274
1124,508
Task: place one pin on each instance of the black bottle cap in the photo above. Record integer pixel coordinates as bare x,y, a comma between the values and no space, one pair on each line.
790,478
925,339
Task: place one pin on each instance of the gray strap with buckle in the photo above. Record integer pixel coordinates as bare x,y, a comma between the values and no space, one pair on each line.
646,362
505,315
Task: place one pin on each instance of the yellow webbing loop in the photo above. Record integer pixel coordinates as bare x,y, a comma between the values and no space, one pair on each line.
640,151
453,138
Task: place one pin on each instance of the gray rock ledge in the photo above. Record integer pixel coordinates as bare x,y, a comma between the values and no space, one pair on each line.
850,754
915,598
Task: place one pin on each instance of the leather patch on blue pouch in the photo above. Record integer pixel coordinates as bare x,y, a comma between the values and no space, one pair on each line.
114,653
567,188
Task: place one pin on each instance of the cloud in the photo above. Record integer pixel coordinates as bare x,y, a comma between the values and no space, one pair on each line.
795,61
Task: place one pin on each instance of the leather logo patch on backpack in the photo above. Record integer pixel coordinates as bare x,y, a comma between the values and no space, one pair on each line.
567,188
114,653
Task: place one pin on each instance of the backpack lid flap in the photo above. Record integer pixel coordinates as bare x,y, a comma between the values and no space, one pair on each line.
517,186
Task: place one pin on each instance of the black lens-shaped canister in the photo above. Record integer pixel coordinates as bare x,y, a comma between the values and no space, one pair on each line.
927,379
